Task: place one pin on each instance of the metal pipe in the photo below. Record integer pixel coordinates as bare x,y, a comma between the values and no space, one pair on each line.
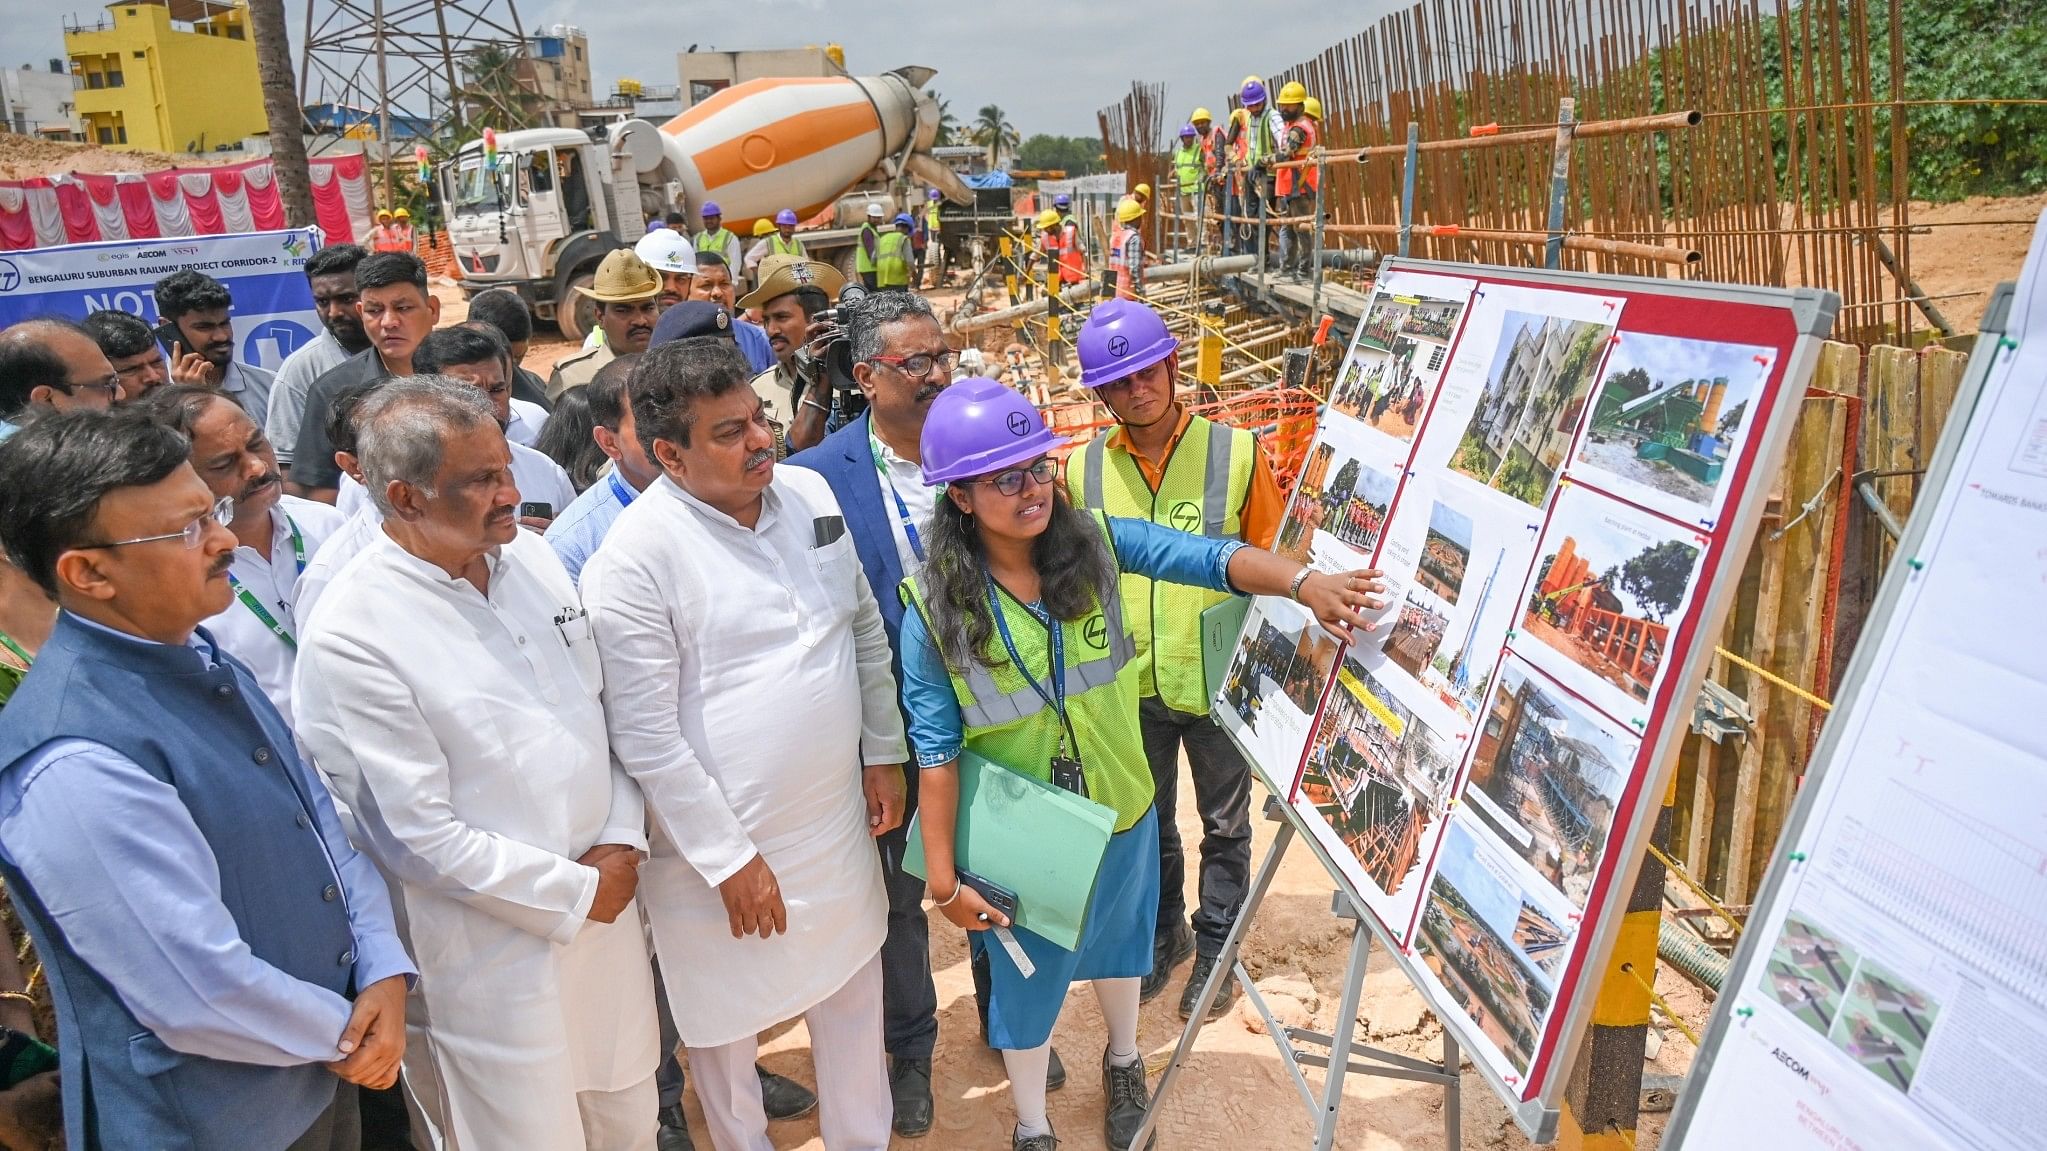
1623,127
1082,292
1656,252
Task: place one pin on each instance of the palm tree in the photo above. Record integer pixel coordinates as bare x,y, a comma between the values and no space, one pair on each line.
948,124
493,95
993,131
281,108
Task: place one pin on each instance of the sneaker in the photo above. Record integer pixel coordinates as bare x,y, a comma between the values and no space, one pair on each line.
1055,1073
784,1098
1167,952
1197,979
1124,1089
674,1132
909,1087
1020,1142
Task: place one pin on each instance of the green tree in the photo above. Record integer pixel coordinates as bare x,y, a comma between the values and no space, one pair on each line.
1656,577
492,94
948,124
993,131
1075,155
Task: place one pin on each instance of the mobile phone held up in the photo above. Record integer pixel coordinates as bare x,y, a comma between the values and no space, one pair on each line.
169,337
536,510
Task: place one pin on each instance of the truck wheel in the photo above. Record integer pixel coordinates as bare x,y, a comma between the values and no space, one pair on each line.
575,314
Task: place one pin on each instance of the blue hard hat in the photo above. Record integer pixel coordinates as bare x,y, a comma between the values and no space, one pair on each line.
1062,200
905,218
711,209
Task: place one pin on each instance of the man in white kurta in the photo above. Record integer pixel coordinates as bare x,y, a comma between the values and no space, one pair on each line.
450,690
751,698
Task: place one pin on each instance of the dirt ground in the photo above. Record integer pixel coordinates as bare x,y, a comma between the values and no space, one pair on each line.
1234,1092
24,157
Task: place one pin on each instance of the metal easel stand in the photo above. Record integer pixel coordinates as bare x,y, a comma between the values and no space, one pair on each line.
1299,1047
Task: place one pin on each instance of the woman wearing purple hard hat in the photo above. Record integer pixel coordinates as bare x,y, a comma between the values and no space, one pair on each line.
1018,650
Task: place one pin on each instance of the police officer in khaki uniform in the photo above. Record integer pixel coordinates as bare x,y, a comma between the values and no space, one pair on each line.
793,290
627,293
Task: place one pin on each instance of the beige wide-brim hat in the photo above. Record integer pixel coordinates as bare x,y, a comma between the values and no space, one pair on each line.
623,278
781,275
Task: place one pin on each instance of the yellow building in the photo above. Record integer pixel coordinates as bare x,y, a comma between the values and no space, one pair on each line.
167,75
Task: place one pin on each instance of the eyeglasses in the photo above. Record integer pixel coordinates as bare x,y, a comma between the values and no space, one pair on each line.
222,512
919,364
1011,482
111,385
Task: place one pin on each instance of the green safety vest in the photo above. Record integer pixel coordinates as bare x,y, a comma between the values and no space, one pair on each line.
1188,165
892,262
715,241
777,246
1206,483
862,262
1007,721
931,222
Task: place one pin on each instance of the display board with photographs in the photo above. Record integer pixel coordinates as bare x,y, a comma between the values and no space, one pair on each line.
1553,474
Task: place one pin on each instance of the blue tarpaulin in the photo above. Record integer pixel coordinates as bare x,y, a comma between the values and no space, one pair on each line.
988,180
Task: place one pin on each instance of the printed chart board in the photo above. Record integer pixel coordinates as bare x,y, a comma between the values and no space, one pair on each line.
1891,987
1559,475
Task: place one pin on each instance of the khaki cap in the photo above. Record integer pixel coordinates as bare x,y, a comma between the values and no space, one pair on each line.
623,278
781,275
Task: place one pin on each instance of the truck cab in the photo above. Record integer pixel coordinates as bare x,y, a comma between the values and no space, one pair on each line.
540,219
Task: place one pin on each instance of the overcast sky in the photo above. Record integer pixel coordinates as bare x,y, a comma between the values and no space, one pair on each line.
1050,64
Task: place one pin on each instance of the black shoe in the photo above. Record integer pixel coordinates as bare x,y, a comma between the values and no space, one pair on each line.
1045,1142
909,1087
784,1098
1055,1073
1124,1089
1167,952
1197,979
674,1133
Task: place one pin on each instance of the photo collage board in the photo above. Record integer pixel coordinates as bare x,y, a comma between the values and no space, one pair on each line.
1543,475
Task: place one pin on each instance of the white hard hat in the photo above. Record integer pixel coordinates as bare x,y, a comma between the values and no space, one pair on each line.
667,250
876,212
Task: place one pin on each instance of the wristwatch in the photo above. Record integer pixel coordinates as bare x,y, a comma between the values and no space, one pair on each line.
1293,590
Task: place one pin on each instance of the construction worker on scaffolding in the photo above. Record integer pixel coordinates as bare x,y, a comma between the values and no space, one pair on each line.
1251,141
1212,160
1299,136
1164,464
1125,277
1190,171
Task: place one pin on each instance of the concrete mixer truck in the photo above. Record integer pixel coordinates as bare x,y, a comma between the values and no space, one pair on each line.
540,213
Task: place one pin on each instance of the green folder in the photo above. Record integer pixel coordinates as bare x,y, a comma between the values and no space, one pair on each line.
1220,626
1038,841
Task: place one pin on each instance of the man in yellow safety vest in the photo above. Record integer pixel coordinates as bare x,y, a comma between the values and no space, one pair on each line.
1164,464
892,255
868,250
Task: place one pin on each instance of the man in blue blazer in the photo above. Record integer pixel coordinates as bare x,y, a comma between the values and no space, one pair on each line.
901,362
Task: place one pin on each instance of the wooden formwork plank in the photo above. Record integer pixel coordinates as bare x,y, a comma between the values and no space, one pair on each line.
1940,376
1890,438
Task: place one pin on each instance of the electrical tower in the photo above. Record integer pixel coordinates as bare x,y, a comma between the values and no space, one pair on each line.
407,71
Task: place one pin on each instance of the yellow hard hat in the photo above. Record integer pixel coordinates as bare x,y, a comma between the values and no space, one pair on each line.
1129,209
1049,218
1312,107
1293,92
1143,192
1201,114
403,213
383,213
763,227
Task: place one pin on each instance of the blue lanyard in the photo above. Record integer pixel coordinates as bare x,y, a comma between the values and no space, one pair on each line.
624,491
902,509
1056,698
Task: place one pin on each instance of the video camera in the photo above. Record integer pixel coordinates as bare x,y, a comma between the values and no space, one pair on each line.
833,359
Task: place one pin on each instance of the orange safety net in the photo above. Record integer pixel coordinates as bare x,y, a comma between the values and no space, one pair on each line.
439,255
1282,418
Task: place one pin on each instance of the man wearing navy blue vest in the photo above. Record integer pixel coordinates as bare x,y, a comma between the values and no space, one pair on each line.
224,965
901,362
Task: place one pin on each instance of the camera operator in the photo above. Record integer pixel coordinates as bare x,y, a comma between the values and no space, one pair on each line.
810,391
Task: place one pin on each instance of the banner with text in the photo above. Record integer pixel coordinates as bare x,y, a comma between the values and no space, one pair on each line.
273,311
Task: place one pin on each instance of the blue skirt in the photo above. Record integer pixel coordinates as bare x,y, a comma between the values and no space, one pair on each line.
1116,944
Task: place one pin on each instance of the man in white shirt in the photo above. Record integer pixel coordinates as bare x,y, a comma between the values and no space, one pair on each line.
450,691
477,355
360,527
197,305
331,275
750,697
275,534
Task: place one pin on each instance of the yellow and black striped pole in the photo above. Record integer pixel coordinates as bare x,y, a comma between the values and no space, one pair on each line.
1604,1093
